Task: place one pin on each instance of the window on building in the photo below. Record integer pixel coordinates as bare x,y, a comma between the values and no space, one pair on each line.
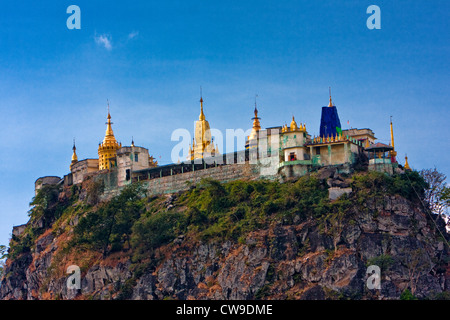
317,150
292,156
136,157
128,174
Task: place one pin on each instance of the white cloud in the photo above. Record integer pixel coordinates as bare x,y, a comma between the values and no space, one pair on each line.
133,35
104,40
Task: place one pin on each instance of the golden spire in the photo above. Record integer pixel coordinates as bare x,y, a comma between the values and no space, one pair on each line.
392,135
202,115
406,166
107,150
393,153
109,134
331,103
132,141
74,155
256,124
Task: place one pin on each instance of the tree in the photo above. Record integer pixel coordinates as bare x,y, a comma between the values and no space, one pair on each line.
110,225
3,255
445,198
437,194
417,264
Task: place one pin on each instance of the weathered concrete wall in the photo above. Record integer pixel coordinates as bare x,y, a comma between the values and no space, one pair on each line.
294,169
182,181
82,168
42,181
110,180
179,182
126,160
268,167
382,167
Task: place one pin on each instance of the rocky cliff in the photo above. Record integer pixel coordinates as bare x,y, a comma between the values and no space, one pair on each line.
269,240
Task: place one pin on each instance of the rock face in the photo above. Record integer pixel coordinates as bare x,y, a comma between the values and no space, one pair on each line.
281,261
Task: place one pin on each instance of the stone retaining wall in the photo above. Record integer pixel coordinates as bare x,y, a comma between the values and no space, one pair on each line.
183,181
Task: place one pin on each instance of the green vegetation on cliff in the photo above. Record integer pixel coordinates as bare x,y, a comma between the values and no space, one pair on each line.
137,226
209,211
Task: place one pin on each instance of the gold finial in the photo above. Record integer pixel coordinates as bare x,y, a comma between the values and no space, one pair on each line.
132,141
304,127
331,103
202,115
109,116
406,166
109,131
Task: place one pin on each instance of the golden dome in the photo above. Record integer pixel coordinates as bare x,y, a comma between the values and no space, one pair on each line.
293,124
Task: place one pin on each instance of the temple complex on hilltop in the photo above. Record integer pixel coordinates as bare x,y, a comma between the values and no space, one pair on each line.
278,152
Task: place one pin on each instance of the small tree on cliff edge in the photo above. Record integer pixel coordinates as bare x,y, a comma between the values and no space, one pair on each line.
437,195
3,255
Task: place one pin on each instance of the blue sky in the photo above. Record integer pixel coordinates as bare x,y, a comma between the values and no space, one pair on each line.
149,58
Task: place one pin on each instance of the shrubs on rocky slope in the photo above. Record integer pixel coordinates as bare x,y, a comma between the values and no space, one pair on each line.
292,232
